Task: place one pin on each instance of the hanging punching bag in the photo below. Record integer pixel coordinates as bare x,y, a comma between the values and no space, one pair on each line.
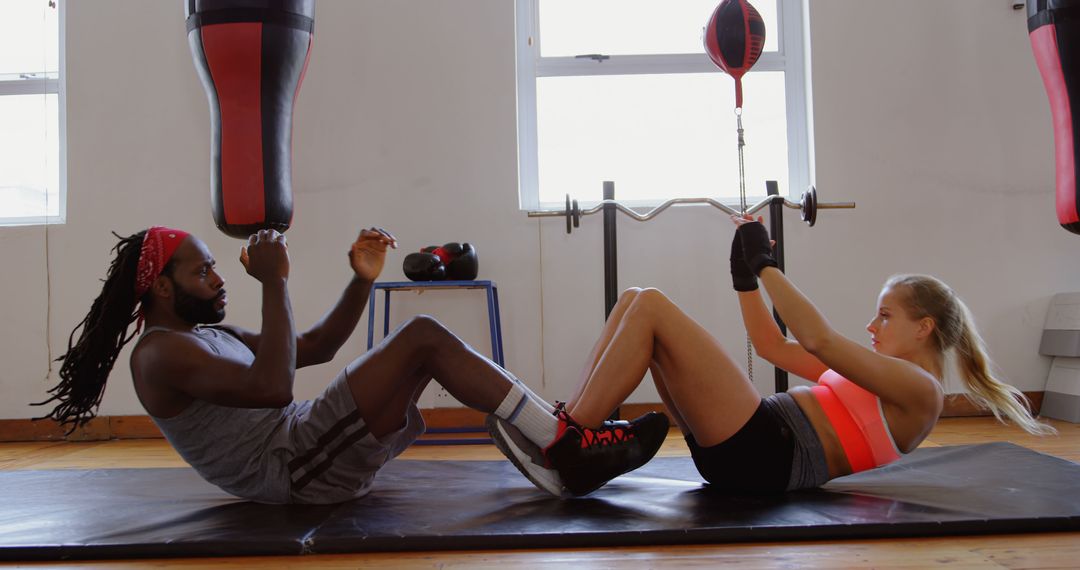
1054,29
734,38
251,56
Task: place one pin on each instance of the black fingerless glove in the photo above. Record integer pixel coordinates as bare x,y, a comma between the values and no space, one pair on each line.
742,278
756,248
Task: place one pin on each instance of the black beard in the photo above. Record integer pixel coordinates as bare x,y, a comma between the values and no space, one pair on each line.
196,311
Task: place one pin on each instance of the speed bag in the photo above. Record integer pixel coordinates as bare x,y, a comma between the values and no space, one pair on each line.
734,38
251,56
1054,29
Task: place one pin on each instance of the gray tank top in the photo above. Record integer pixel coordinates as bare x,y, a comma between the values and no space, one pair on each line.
241,450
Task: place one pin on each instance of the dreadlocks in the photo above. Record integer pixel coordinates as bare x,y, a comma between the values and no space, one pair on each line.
88,362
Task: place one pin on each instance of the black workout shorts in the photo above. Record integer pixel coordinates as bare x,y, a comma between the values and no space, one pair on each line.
757,459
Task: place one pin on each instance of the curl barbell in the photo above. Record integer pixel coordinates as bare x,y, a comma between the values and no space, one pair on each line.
808,206
572,213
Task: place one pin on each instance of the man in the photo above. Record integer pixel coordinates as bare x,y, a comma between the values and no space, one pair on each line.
223,396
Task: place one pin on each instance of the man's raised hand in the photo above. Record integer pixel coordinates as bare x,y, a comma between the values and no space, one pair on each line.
368,253
266,256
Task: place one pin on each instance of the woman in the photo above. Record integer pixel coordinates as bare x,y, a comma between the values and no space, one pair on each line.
870,406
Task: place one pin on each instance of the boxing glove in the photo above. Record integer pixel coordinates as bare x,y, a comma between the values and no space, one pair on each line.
424,266
460,260
453,261
463,264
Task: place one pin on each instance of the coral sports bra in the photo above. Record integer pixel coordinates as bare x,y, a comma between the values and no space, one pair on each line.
856,415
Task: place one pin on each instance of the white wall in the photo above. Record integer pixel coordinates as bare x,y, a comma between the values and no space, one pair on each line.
930,115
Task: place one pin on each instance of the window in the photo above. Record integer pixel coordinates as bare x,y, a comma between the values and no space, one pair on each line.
622,90
31,108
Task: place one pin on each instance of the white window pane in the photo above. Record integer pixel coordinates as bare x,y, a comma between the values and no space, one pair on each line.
29,156
658,136
29,37
633,27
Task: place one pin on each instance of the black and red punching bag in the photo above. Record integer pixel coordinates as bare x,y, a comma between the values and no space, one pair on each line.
251,56
1054,28
734,38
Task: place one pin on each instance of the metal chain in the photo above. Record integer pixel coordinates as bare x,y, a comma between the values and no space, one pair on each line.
749,359
742,204
742,170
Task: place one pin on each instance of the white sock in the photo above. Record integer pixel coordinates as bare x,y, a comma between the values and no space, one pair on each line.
536,398
526,414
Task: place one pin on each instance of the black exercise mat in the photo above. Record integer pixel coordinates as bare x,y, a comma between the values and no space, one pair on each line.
429,505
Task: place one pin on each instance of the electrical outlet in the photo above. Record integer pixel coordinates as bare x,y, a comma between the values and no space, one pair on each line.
443,398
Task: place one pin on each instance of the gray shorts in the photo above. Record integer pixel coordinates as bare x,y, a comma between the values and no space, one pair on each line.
809,469
333,457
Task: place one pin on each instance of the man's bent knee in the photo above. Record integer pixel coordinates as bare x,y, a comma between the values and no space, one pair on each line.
424,330
423,325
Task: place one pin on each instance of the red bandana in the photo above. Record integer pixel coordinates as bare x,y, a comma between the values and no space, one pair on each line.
158,247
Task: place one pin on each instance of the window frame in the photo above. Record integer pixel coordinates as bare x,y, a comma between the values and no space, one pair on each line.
792,57
41,83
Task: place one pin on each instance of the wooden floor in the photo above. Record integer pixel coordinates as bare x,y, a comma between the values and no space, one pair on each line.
1051,550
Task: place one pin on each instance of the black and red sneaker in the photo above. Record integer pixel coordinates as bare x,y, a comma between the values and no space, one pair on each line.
588,458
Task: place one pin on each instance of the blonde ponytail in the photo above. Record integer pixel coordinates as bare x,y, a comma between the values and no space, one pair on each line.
955,330
984,389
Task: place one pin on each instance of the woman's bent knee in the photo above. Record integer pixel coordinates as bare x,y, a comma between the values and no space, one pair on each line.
652,297
629,294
